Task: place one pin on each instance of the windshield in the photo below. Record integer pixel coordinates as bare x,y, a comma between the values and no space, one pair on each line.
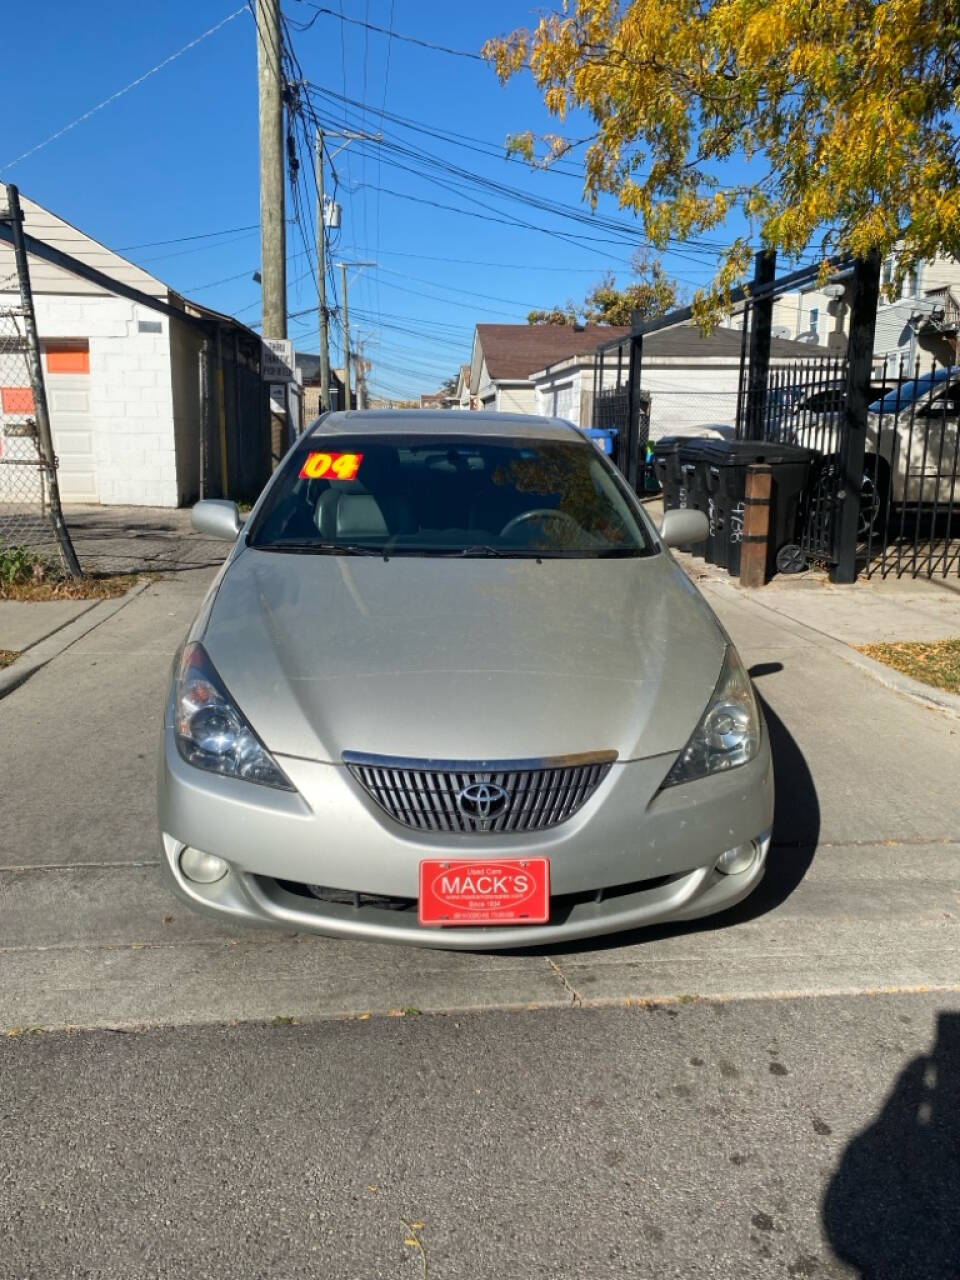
449,495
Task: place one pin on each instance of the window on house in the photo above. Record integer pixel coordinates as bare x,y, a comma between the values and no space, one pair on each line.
815,320
887,276
910,284
67,355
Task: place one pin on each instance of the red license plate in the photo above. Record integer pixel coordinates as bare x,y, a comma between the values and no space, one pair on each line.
502,891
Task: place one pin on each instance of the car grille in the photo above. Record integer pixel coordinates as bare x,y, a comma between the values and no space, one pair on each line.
525,795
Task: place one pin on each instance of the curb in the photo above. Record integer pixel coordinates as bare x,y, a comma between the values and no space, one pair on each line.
57,642
896,681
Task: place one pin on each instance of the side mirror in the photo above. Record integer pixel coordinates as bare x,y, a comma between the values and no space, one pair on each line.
217,518
680,527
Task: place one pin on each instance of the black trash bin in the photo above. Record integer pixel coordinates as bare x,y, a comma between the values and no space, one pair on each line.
722,466
665,461
690,457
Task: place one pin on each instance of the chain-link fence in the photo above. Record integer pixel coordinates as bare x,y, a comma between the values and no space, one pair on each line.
25,519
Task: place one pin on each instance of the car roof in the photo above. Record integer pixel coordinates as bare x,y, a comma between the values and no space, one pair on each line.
446,422
901,395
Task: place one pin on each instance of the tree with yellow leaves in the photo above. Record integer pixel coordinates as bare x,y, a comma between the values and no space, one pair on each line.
842,112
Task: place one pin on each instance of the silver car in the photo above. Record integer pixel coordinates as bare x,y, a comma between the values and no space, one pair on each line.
451,688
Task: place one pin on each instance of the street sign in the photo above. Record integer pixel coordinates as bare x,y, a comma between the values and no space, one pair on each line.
278,397
277,361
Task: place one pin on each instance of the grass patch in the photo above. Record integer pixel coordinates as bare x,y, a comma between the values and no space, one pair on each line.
89,587
6,657
936,663
26,576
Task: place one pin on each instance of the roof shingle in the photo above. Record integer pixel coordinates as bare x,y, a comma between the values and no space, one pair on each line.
514,351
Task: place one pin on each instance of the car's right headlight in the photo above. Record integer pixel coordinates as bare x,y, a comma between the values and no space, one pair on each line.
728,733
212,732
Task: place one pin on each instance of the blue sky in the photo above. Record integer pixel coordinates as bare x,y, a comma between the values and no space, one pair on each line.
177,157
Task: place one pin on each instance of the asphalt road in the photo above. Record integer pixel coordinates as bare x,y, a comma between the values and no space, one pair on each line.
803,1138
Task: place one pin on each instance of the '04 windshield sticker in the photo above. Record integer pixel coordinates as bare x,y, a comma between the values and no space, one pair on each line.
331,466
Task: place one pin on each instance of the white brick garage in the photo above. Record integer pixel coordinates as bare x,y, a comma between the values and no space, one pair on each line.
123,379
113,427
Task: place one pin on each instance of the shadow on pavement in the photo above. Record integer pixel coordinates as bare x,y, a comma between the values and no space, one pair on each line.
796,830
892,1209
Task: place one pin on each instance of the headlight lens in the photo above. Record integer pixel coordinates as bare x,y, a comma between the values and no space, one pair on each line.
211,730
729,730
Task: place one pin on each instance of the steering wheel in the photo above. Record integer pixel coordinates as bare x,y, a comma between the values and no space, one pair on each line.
540,513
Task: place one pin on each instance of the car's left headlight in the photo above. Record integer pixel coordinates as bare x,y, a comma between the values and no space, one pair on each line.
728,733
212,732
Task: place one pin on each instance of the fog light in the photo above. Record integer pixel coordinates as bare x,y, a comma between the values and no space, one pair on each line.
202,868
732,861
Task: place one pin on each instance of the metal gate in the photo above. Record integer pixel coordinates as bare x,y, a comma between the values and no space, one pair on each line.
804,405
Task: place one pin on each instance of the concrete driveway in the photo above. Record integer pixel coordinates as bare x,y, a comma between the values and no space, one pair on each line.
663,1128
861,893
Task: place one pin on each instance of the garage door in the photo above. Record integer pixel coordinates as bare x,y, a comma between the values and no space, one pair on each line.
68,395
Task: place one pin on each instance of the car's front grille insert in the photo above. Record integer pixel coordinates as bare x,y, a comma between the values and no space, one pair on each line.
561,904
480,798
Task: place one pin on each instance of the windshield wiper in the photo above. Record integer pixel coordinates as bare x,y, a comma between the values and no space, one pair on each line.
311,546
485,549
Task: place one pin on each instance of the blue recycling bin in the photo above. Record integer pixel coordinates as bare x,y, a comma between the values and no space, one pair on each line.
605,439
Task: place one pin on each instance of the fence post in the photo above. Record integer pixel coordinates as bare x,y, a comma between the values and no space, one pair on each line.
34,364
755,547
206,411
634,406
764,273
853,436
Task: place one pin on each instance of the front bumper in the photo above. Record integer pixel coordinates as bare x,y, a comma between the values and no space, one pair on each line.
631,856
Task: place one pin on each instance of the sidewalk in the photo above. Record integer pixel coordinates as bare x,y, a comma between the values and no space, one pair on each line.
871,611
25,623
839,619
108,540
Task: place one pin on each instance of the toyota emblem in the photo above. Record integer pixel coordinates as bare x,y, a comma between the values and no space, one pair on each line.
483,801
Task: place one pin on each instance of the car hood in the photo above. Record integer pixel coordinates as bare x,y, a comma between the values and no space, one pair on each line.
463,659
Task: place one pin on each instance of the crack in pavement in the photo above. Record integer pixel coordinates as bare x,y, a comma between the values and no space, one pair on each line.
575,997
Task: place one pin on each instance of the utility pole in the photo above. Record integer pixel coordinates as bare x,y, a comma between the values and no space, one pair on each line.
361,374
346,326
273,248
322,283
346,339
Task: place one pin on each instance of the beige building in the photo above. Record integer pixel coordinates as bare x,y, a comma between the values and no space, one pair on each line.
505,357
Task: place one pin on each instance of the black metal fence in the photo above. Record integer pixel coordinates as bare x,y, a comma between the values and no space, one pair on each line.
621,404
883,496
911,525
908,516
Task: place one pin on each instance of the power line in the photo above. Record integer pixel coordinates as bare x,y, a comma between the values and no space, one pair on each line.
126,89
484,262
203,235
383,31
464,141
202,248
